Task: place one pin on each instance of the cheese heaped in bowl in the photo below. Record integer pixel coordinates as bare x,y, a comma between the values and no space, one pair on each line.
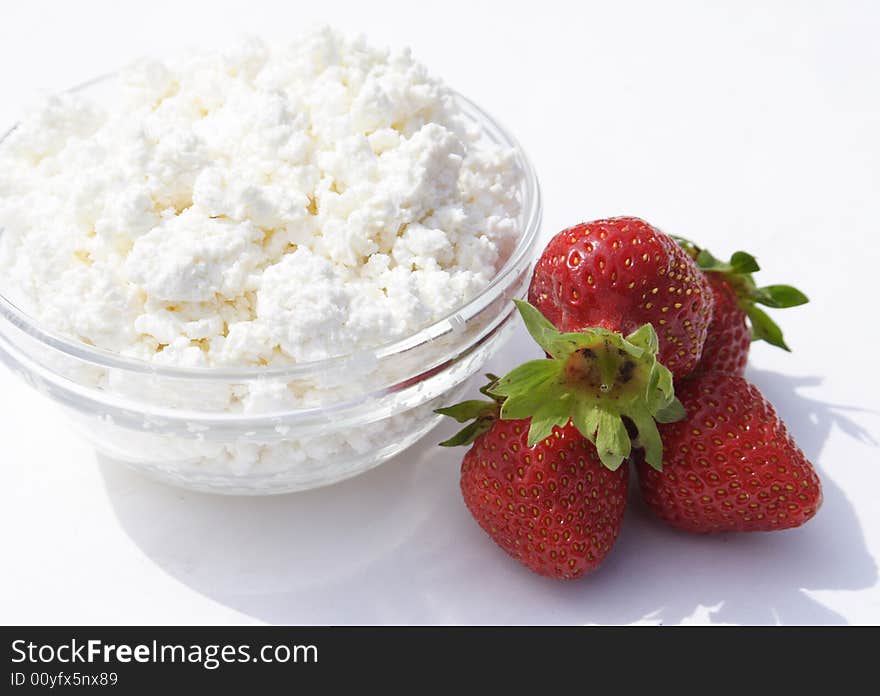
260,270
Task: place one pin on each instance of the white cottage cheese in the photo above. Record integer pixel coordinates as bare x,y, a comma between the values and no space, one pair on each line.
262,206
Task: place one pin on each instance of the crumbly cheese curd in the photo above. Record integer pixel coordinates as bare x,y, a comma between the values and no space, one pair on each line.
259,207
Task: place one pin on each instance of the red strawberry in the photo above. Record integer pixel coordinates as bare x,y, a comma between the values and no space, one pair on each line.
730,465
737,320
545,476
553,506
619,274
727,345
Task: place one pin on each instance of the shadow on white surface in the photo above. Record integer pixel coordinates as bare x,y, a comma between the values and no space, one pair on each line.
396,545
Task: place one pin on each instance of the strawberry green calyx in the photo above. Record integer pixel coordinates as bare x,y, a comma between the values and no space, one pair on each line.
738,272
594,378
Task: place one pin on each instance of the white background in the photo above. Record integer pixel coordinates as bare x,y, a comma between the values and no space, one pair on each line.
743,124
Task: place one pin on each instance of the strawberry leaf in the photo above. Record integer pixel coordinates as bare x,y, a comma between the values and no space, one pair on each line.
524,404
664,383
486,389
468,410
467,435
765,329
482,413
527,377
672,413
644,338
743,262
549,415
586,419
538,326
612,440
567,343
709,263
780,296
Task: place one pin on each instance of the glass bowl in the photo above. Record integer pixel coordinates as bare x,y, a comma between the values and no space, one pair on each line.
357,410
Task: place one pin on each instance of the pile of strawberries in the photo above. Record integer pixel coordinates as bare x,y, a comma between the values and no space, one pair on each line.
646,339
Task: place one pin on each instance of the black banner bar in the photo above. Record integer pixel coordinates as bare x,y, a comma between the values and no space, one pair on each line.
135,660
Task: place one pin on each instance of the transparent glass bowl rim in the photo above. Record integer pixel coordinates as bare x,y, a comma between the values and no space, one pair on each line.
532,209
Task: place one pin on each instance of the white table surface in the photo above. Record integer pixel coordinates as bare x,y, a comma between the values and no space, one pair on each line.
755,126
